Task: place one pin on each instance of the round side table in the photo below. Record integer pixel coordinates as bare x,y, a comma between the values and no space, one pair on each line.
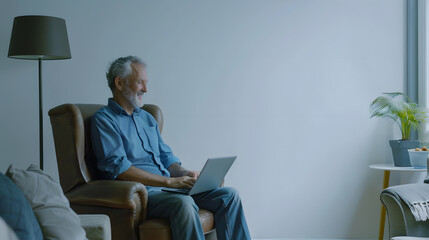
387,168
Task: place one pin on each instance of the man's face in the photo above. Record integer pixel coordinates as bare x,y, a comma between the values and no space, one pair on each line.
135,87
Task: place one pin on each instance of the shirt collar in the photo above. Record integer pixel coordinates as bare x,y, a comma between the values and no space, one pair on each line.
118,109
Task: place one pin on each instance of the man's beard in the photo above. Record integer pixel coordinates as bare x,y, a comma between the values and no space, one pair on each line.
133,99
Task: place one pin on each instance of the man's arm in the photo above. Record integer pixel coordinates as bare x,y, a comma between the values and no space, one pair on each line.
149,179
108,146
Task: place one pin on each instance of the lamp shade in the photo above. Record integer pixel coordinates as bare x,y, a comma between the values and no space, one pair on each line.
39,37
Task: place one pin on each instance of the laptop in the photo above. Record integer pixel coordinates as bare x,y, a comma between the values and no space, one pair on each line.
210,178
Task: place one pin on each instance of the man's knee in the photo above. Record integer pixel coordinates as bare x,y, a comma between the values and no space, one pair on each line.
231,191
184,206
231,194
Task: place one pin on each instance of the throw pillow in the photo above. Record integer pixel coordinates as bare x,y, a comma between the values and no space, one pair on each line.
16,211
51,207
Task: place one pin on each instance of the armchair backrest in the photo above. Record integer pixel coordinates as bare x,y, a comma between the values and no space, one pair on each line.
70,127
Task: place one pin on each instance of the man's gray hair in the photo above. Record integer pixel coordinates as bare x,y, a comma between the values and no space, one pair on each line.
121,68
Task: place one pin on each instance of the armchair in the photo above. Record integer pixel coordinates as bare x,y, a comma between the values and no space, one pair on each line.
401,220
125,202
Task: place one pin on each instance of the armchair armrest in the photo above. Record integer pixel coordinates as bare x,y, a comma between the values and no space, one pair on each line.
125,202
111,194
108,193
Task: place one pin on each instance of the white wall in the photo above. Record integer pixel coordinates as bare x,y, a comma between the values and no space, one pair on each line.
286,85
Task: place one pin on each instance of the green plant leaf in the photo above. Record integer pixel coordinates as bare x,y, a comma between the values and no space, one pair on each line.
399,107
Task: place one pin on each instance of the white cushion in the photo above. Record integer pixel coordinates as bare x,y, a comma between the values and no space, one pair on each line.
409,238
6,232
97,226
51,207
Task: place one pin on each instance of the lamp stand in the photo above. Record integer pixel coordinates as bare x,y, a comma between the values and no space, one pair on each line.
42,38
40,115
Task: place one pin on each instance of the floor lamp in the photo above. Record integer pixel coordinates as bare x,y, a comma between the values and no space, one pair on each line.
39,38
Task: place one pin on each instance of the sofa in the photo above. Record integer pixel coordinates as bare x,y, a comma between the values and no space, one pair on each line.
33,207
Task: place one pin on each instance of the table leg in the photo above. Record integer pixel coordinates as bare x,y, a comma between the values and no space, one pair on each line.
383,210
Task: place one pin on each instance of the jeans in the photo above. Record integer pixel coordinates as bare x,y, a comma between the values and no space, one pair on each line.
182,212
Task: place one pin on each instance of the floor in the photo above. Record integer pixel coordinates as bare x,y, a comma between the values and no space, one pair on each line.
310,239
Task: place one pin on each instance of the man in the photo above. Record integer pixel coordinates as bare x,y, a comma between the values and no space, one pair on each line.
128,146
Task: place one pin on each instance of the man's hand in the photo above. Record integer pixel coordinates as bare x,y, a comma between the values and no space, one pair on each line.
180,177
192,174
178,171
182,182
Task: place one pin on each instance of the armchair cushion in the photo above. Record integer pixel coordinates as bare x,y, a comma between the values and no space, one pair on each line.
51,207
17,212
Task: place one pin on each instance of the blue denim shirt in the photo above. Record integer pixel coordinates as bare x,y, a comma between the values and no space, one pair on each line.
120,141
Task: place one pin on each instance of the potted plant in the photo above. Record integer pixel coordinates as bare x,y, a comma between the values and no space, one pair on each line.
407,115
